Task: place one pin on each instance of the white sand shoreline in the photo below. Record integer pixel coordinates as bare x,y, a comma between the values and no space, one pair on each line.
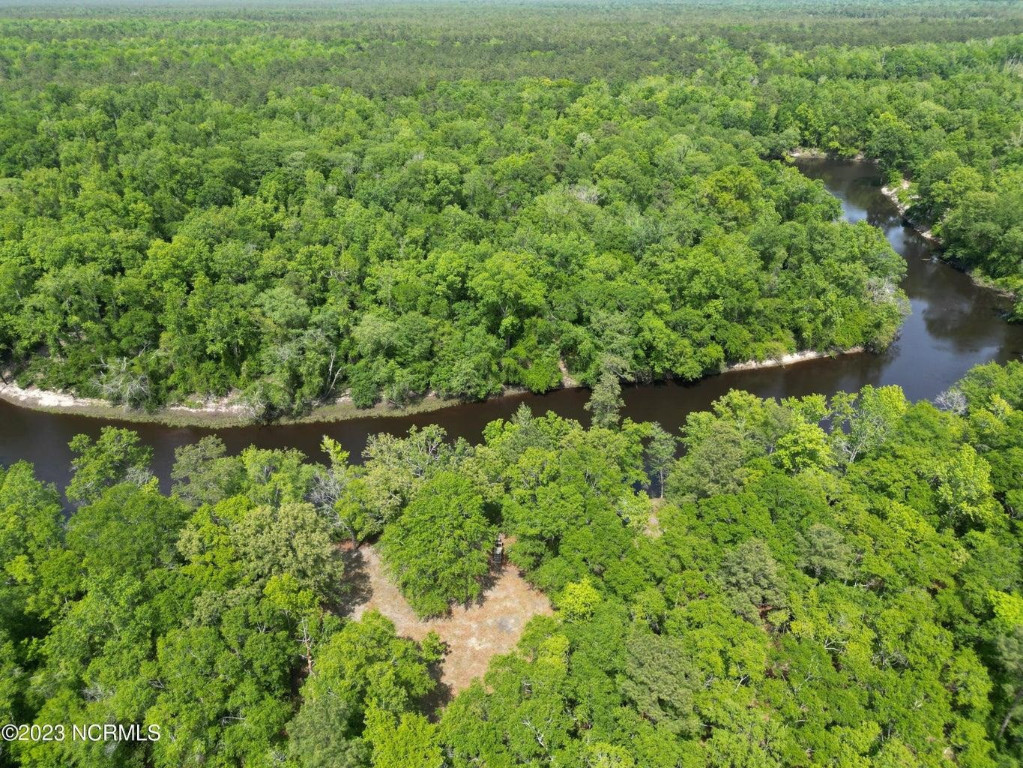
224,412
789,359
892,193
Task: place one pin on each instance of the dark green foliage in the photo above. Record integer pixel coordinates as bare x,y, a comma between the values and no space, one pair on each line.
793,616
317,736
825,554
751,575
660,454
659,681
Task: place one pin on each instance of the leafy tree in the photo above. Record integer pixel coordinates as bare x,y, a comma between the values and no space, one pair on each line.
750,574
451,212
407,741
203,475
660,454
825,554
127,530
964,489
320,736
1010,659
367,664
439,549
579,600
37,571
115,457
289,540
659,681
606,402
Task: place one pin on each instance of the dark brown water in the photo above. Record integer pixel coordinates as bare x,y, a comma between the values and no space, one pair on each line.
954,325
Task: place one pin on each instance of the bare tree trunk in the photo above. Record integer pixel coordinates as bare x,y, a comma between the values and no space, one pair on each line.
1008,715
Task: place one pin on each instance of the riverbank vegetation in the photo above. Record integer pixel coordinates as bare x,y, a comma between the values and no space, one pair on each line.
815,582
288,206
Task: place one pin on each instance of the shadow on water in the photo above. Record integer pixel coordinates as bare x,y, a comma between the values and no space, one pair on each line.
954,325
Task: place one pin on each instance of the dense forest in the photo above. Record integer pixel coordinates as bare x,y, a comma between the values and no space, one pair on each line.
287,205
291,206
785,594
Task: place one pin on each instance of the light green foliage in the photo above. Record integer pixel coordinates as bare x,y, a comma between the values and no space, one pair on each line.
866,420
33,581
1007,609
565,493
116,457
964,489
358,700
126,532
843,597
578,600
408,741
149,609
11,684
37,571
274,477
721,443
292,541
404,202
438,550
367,663
606,402
805,447
805,614
203,474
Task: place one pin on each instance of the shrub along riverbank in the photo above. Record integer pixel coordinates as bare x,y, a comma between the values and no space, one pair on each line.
234,411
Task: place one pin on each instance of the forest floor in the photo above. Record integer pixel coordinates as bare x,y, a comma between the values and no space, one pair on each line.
474,633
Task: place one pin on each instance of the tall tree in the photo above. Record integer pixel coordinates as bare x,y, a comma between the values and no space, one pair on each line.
439,549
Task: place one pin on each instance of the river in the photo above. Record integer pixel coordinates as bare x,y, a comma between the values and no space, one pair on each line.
954,325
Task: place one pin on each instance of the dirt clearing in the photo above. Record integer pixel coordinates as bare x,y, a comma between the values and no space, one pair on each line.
473,634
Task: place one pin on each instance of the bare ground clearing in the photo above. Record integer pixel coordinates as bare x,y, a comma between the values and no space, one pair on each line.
473,634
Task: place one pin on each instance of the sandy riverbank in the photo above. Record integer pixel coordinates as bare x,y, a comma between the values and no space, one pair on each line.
224,412
218,413
809,153
896,195
795,357
230,411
